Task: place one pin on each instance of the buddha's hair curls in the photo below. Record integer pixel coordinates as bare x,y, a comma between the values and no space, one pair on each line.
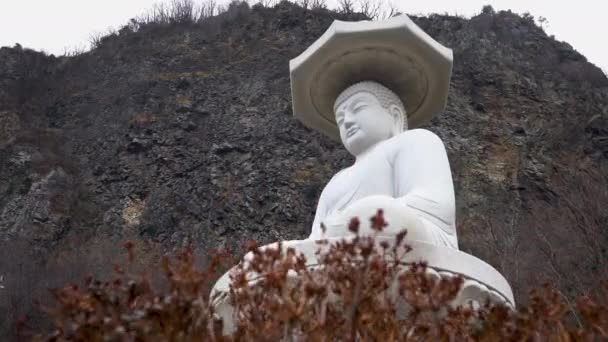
385,96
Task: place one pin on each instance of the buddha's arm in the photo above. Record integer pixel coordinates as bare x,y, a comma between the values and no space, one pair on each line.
320,214
423,181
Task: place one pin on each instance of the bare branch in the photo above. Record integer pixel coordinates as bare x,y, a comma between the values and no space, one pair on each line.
371,8
391,10
346,6
268,3
209,8
318,4
303,3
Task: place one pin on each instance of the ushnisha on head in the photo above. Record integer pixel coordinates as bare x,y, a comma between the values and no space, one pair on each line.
368,113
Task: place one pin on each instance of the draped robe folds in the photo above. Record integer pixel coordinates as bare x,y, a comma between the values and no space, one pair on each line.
411,168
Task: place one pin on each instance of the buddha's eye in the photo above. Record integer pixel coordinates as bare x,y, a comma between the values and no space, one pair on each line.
359,107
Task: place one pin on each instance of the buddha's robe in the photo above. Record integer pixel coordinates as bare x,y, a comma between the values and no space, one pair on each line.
412,171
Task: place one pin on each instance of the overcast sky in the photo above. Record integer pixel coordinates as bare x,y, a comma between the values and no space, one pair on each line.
54,25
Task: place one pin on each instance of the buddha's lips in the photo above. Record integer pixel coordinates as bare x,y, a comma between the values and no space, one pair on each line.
351,132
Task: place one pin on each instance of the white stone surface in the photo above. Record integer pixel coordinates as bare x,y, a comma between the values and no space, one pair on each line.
408,176
404,173
480,277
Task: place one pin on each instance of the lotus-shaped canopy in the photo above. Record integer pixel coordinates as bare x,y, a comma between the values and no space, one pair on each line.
394,52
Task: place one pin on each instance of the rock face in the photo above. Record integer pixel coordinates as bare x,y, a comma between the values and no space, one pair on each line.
184,134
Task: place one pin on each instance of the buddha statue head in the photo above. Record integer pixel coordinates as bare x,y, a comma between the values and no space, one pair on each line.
402,68
366,114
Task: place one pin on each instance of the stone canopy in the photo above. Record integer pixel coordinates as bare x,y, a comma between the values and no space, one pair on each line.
393,52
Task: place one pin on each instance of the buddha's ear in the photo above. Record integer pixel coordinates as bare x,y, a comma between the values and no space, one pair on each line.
398,116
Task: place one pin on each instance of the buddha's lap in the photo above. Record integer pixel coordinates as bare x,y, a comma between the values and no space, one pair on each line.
396,215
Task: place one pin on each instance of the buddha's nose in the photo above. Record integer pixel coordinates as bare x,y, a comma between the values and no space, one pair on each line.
349,120
348,124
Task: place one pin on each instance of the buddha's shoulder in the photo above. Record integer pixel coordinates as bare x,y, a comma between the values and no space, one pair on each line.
413,138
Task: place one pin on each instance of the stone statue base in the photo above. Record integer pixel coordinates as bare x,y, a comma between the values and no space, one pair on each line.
481,281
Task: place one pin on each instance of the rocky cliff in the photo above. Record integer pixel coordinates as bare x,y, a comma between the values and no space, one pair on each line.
183,134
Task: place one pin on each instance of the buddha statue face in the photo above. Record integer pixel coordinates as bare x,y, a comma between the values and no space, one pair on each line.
368,113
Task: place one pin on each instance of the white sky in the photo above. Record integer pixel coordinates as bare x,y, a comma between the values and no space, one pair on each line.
54,25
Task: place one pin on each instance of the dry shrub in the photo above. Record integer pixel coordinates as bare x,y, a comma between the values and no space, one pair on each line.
180,12
268,3
373,9
344,298
209,9
132,307
317,4
176,11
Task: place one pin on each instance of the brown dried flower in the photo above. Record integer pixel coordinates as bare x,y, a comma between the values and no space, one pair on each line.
356,292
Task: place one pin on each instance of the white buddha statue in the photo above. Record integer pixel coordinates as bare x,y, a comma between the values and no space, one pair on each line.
404,172
355,84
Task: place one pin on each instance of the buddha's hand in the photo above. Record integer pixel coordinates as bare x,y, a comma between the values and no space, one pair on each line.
395,213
